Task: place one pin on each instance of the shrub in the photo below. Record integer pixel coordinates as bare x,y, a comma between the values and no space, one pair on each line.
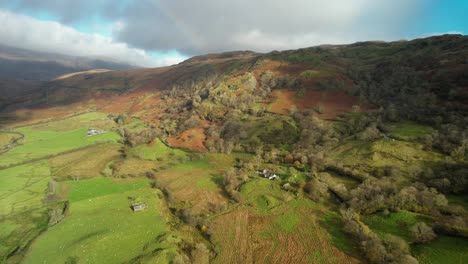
316,190
422,233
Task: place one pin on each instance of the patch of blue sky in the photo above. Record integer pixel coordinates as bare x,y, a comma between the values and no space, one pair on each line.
440,17
37,14
166,54
94,25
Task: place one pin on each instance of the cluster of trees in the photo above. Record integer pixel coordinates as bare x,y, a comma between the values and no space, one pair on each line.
236,176
315,134
224,138
413,84
392,249
270,81
401,90
284,136
451,179
316,190
143,136
422,233
450,139
385,193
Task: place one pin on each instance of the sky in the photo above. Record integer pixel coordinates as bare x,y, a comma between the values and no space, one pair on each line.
152,33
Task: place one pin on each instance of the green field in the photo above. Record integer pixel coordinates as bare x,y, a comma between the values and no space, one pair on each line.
42,143
6,138
262,194
408,131
101,227
289,223
445,249
87,120
397,224
334,226
88,189
23,187
22,211
369,156
157,150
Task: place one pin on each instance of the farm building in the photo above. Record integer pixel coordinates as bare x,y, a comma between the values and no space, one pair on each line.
93,132
138,207
268,175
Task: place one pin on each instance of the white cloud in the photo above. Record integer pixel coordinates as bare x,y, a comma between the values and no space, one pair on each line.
29,33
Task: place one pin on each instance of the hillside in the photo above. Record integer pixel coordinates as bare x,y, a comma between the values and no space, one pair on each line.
365,146
22,71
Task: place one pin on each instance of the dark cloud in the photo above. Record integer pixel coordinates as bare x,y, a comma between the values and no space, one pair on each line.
195,27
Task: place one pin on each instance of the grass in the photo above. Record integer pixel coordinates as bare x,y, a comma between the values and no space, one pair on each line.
408,130
17,230
445,249
38,144
87,120
397,223
262,194
85,163
271,129
88,189
222,162
207,183
23,214
368,156
192,165
23,187
135,125
101,228
194,184
458,199
333,224
281,224
6,138
157,150
288,221
349,182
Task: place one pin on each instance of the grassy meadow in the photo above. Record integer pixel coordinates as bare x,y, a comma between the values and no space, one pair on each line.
23,214
157,150
272,224
40,143
445,249
101,178
24,188
408,131
397,224
101,227
6,138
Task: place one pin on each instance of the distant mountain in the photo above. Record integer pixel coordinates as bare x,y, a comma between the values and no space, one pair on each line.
22,71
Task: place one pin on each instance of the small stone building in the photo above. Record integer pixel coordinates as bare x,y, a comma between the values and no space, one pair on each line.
138,207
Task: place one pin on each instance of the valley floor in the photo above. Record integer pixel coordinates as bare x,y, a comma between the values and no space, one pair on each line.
66,197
